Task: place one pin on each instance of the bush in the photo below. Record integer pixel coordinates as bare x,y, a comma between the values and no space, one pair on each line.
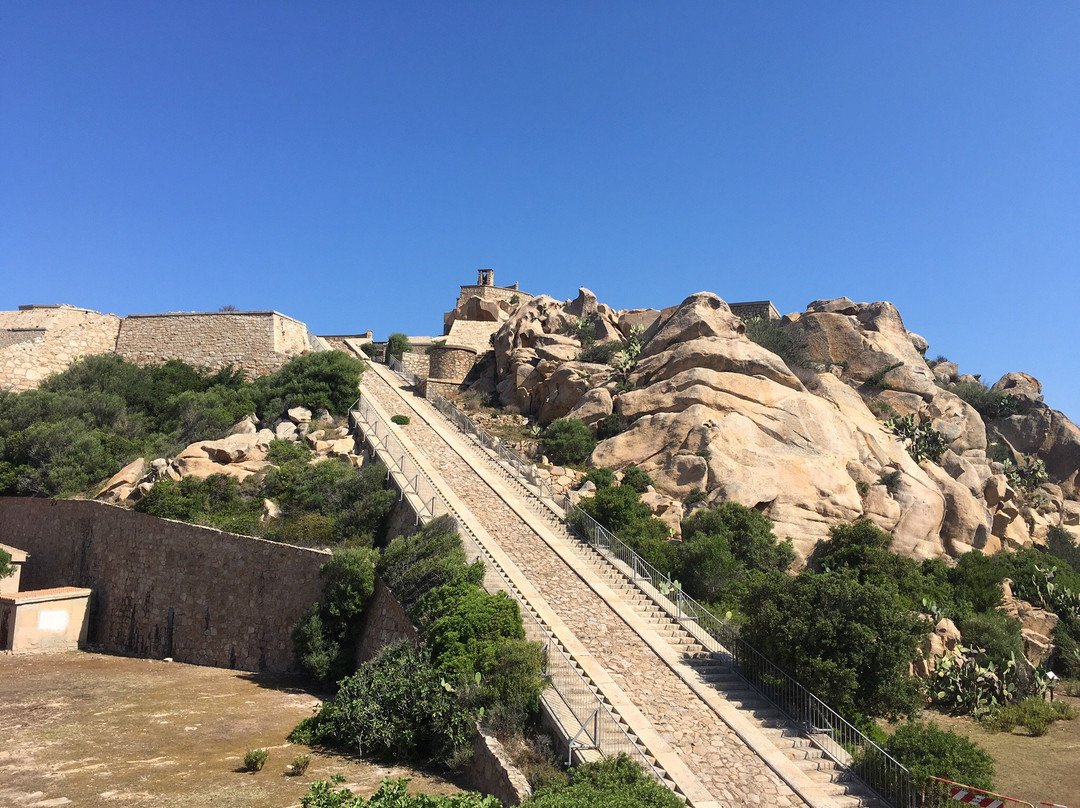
621,511
611,425
327,380
283,451
255,759
853,641
391,794
400,420
929,751
635,478
990,404
994,633
568,441
299,765
371,349
615,782
602,477
771,335
324,642
397,345
395,708
1032,713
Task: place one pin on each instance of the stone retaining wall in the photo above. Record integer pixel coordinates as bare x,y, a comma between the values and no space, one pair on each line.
38,341
385,622
168,589
260,342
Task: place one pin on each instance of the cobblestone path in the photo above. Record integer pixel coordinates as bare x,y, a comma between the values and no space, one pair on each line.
733,774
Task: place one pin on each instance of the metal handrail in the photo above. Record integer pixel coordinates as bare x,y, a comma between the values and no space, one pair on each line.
828,730
608,736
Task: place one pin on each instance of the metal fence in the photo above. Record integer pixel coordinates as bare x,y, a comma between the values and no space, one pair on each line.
593,725
824,727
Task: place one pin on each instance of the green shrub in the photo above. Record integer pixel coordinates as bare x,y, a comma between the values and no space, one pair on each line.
990,404
400,420
863,487
371,349
299,765
1033,713
600,353
1026,476
7,569
255,759
891,480
852,641
284,451
876,380
602,477
694,497
397,345
611,425
568,441
621,511
929,751
395,707
1059,542
995,634
614,782
771,335
635,478
327,380
391,794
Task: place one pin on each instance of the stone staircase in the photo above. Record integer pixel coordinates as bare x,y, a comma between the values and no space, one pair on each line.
667,687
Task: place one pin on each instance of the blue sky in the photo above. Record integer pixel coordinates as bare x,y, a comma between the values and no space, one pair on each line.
351,164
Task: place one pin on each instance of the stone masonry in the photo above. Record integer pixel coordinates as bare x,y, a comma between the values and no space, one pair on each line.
38,341
168,589
258,341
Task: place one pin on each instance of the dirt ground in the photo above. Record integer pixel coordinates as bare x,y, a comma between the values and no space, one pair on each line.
1028,768
83,729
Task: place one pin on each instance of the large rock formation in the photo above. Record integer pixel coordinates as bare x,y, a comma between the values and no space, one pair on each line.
803,439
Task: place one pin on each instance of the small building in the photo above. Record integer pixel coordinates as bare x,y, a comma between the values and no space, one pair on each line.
755,309
44,619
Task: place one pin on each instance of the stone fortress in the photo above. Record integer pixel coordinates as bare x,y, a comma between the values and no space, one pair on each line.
38,341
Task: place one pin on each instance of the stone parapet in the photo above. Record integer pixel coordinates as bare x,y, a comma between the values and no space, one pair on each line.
36,342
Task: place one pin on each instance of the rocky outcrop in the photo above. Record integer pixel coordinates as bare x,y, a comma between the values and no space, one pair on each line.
808,444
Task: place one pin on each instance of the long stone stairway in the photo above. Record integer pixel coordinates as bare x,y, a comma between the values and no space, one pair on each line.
704,732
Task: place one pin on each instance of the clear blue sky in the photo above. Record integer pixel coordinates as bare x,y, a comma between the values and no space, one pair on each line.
352,163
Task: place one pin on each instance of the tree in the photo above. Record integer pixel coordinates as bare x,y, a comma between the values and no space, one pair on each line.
568,440
7,569
929,751
852,641
396,345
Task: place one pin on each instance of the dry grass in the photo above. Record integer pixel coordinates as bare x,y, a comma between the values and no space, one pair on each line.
1034,769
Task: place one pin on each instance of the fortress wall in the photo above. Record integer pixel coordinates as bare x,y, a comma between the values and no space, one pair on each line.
40,341
498,293
260,342
168,589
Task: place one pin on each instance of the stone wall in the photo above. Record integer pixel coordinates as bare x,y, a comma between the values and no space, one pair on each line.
497,293
385,622
416,363
474,333
38,341
168,589
258,341
451,363
756,308
492,771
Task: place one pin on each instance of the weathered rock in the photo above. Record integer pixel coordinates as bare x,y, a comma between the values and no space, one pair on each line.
968,523
271,510
286,430
245,426
594,405
233,449
1022,385
121,484
584,305
300,415
204,467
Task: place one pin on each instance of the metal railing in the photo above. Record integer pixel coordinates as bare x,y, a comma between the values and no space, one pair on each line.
410,479
511,460
399,368
836,737
824,727
596,726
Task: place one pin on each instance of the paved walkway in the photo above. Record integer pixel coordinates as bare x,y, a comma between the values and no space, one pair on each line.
686,729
